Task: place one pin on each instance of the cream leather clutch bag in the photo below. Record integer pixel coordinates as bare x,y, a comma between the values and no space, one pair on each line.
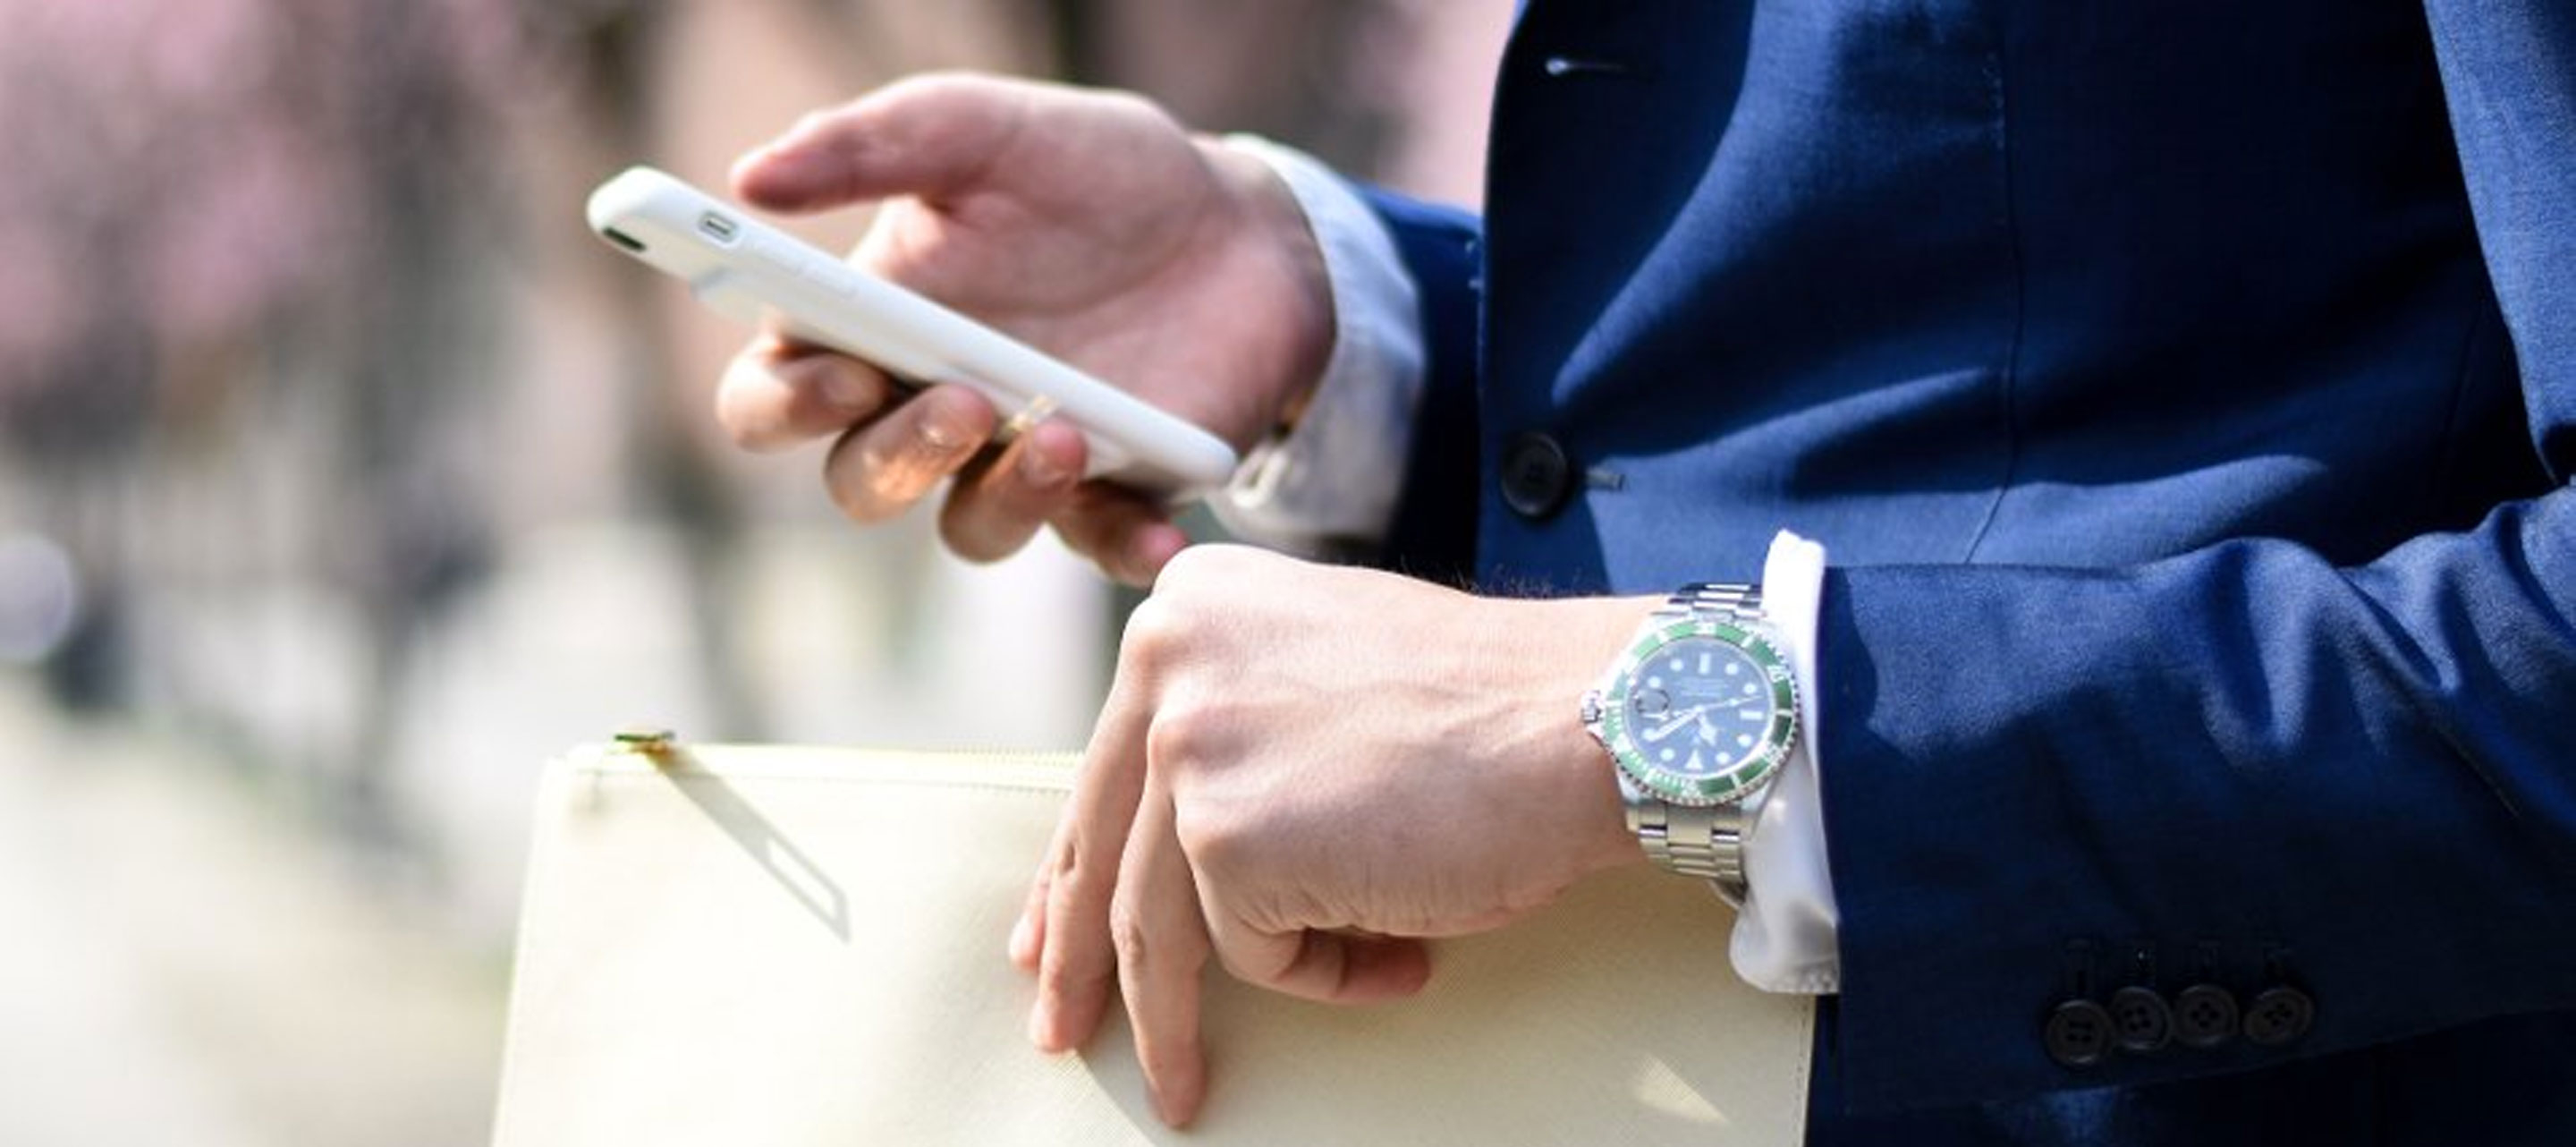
749,946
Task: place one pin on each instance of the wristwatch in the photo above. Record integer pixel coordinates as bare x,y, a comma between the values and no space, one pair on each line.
1699,712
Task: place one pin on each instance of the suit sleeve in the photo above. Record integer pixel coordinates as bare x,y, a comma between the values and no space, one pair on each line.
1434,533
2248,765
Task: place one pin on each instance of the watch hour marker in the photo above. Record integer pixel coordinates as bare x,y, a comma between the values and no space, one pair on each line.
1707,664
1732,669
1751,714
1744,742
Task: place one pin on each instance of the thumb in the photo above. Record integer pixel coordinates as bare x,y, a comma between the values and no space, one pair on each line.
928,136
1331,967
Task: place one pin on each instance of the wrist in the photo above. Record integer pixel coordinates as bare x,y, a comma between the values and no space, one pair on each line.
1575,638
1289,248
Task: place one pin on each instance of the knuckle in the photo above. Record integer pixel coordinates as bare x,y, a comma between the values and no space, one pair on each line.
1216,844
1192,567
1181,738
1072,880
1130,937
1136,107
1156,630
1203,576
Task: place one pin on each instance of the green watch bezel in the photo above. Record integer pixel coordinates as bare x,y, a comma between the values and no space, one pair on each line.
1733,784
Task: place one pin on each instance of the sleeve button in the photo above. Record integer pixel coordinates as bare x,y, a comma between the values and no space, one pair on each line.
2279,1015
2078,1033
2205,1016
2143,1022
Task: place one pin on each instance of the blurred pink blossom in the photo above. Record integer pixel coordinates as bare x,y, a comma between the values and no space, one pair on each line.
186,170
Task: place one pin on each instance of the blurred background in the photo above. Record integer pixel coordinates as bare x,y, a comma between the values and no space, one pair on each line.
344,479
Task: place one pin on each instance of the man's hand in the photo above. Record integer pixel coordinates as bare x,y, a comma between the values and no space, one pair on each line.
1088,224
1304,770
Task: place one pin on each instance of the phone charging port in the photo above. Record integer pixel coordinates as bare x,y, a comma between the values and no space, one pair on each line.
719,228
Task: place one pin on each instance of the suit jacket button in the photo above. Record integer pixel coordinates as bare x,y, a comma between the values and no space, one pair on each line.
1536,475
2205,1016
2142,1021
2078,1033
2279,1015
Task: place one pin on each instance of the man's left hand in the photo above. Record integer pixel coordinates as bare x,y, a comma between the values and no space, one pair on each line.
1304,771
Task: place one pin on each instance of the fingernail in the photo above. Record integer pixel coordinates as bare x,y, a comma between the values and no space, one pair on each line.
1019,941
1163,1108
1037,469
937,434
1042,1024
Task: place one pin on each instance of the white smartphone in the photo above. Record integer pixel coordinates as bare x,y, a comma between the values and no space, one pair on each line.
750,271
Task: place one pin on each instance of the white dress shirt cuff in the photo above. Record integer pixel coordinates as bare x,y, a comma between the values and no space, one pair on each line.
1785,938
1332,482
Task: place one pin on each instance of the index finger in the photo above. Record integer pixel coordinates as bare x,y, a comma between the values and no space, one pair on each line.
927,136
1076,964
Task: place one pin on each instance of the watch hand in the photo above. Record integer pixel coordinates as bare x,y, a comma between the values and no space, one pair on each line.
1673,724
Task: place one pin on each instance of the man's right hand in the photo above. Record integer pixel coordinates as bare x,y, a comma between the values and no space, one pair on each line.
1088,224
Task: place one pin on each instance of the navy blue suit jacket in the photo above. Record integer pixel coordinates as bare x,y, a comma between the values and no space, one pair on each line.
2186,394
